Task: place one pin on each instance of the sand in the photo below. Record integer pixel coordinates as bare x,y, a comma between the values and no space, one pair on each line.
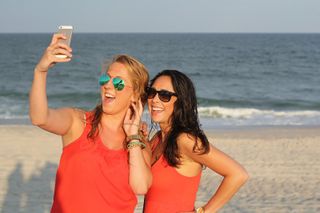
283,164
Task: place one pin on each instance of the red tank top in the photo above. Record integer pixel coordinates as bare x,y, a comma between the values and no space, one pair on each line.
92,178
170,191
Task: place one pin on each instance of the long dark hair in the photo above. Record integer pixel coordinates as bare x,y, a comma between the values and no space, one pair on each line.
184,118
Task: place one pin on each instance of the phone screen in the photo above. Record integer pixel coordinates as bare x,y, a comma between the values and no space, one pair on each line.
67,31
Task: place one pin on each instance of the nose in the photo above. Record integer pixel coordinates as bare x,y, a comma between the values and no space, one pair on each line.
108,84
156,98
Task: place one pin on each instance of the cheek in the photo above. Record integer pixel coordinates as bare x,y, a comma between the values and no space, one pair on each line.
169,110
149,104
124,98
101,92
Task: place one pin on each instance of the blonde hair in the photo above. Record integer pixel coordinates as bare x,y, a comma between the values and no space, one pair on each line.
139,76
138,73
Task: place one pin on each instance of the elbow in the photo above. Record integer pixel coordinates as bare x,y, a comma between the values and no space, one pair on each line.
36,121
242,177
38,118
141,189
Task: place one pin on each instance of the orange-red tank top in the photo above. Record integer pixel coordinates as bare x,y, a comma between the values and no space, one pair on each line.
92,178
170,191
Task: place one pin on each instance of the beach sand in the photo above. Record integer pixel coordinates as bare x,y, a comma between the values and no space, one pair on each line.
283,164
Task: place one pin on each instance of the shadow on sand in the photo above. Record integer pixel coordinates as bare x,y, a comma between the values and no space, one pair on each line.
31,195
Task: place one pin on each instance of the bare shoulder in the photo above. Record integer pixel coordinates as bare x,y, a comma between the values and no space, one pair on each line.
76,114
191,147
79,119
79,114
186,142
77,127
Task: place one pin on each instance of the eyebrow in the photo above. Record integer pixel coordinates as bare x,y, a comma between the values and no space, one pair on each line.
117,76
163,90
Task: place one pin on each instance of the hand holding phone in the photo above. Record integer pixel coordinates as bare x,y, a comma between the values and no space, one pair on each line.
67,32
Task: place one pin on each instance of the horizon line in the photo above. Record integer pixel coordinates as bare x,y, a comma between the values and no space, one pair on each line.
84,32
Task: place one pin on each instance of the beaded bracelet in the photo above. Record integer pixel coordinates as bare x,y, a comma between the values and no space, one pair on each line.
134,143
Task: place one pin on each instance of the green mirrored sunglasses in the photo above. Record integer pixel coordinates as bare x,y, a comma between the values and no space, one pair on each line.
117,82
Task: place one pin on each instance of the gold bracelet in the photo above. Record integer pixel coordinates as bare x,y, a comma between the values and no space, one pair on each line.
200,210
133,137
135,143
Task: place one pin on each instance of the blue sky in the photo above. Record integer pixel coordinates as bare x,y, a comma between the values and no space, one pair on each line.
161,16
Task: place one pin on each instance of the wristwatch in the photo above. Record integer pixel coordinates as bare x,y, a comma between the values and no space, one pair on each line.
200,210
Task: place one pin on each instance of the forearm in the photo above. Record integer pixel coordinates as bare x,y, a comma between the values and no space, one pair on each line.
38,98
228,187
140,177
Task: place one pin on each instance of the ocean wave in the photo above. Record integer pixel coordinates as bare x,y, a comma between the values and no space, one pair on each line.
246,113
220,116
277,105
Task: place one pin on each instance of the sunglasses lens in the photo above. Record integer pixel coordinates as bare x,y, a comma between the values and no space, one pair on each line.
118,83
164,96
104,79
151,93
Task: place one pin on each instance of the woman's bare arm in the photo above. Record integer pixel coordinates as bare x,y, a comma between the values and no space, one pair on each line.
57,121
234,175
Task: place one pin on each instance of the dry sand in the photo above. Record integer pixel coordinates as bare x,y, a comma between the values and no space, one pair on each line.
283,164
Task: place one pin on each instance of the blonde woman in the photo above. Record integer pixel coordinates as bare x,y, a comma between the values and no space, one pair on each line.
104,162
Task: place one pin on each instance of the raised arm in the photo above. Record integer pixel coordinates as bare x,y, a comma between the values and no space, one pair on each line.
57,121
140,176
234,175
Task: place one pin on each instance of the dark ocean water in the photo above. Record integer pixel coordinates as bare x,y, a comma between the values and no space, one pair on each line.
241,79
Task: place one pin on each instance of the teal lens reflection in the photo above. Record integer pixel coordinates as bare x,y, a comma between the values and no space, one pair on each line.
117,82
104,79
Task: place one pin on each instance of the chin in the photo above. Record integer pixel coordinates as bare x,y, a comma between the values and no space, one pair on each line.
158,120
155,118
107,108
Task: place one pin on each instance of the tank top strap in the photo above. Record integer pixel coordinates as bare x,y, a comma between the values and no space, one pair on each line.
87,119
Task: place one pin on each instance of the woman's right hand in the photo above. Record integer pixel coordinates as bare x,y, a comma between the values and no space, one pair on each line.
49,58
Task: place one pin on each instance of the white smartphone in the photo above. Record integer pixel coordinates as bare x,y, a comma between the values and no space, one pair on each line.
67,31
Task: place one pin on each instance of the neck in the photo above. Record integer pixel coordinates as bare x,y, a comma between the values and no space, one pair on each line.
112,122
165,127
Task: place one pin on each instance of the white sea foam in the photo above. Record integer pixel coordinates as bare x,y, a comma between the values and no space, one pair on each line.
245,113
252,116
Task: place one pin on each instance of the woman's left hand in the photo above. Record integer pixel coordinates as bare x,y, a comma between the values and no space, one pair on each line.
131,124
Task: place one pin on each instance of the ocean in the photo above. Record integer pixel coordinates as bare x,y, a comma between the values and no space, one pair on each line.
240,79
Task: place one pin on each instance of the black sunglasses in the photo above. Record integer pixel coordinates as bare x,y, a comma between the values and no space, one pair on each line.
164,95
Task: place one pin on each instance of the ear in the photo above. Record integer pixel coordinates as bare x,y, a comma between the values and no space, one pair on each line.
133,98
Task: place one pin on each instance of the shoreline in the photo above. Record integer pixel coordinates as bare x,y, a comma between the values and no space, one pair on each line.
209,129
